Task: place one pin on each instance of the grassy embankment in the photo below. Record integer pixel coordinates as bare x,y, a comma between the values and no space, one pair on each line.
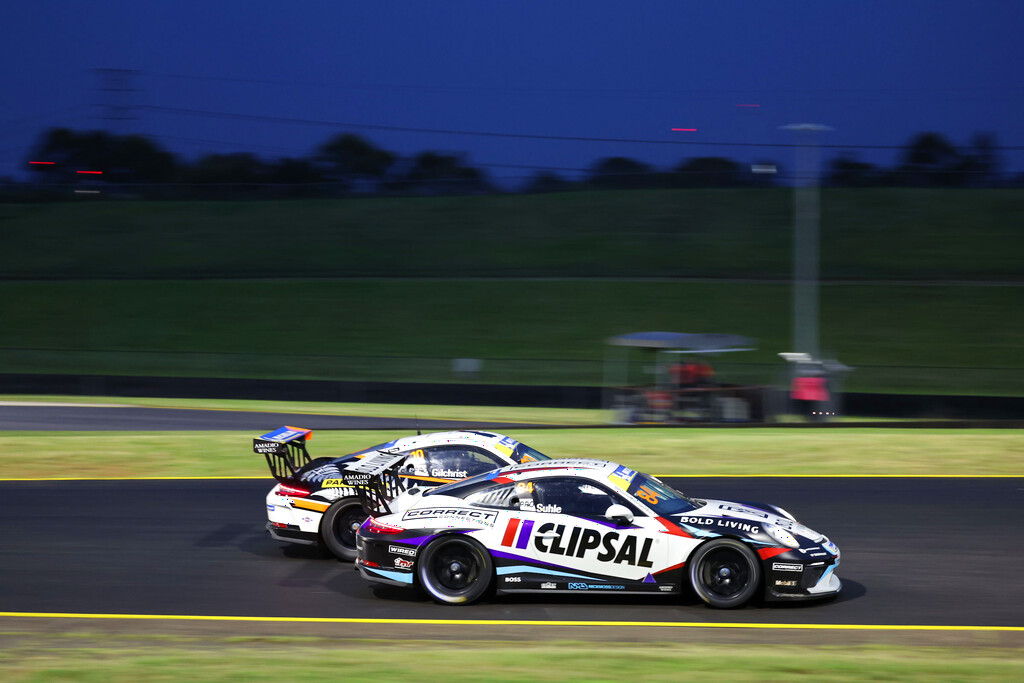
929,339
876,233
949,339
55,657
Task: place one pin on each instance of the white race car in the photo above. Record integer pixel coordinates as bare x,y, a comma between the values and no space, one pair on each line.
312,505
568,526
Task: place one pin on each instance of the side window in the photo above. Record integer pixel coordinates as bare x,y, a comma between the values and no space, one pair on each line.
571,496
497,496
458,462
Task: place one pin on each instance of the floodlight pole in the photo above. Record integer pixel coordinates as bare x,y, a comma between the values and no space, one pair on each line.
805,239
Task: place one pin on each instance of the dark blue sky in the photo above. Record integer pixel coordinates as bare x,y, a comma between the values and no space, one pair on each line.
876,71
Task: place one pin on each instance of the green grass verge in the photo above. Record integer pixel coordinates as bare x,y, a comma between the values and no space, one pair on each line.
47,658
905,338
777,451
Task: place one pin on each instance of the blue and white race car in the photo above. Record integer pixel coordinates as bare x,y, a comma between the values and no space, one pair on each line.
311,504
565,526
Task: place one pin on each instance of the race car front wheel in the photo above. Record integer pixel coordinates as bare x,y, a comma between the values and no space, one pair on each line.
455,570
725,573
339,525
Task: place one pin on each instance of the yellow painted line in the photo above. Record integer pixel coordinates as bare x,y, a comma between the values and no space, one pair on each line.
508,622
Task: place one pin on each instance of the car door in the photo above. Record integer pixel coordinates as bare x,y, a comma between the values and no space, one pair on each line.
576,547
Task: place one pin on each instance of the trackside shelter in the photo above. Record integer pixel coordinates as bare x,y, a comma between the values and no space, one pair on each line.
669,377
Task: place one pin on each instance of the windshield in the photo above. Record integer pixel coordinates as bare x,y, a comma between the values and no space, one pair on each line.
524,453
659,496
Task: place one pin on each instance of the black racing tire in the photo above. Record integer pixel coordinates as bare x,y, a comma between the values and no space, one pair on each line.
725,573
455,570
339,525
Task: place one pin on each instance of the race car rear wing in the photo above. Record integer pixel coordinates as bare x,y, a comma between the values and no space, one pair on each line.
376,481
285,450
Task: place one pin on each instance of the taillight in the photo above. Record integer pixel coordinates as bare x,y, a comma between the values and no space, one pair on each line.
372,525
286,490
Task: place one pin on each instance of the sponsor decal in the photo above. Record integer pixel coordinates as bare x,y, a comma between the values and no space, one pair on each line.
666,588
403,563
285,434
512,528
448,474
722,523
333,483
307,520
549,585
513,579
355,479
622,477
784,567
507,445
402,550
785,583
745,511
578,586
270,507
264,447
603,547
461,514
547,508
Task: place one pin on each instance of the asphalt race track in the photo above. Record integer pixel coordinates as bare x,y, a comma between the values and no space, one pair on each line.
72,417
916,551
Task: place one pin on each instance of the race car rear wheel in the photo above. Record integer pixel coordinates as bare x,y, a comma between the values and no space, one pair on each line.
455,570
725,573
339,525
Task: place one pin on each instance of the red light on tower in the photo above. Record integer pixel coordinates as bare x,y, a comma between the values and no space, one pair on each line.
91,172
43,163
687,130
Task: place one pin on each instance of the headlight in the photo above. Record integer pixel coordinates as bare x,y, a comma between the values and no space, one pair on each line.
781,535
829,546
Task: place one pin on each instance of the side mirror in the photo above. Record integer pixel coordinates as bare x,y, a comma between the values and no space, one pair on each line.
618,513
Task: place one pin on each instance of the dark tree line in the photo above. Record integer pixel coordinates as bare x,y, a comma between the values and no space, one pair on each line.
348,164
928,160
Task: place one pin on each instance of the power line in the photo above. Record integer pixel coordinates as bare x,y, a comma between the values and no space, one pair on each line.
498,134
721,92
